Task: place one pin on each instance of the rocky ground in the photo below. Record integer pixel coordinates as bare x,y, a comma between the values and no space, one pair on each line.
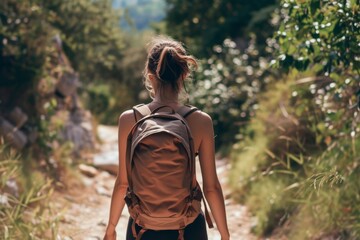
85,204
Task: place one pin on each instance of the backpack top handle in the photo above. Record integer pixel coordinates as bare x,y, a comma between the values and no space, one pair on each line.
141,111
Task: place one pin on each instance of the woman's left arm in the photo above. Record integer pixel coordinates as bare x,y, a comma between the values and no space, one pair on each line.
126,121
211,185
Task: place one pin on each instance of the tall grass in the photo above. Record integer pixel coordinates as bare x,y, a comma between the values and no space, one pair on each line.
25,212
298,178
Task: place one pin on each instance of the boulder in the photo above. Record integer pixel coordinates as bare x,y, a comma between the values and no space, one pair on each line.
17,117
107,161
88,170
12,135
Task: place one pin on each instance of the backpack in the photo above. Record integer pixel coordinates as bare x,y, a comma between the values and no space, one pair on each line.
163,192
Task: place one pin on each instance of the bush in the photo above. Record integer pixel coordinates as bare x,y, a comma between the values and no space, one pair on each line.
300,172
226,86
310,123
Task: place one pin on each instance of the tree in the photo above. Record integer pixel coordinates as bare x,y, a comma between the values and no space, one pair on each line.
90,35
203,24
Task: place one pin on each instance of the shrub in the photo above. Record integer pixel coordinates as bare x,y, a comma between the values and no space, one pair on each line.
311,126
226,86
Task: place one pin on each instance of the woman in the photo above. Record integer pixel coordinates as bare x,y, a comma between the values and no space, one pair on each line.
167,67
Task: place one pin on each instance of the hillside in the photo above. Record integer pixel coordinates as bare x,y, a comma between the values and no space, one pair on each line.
139,14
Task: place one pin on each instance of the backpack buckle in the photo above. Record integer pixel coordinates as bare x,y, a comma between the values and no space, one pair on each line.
131,199
128,200
197,194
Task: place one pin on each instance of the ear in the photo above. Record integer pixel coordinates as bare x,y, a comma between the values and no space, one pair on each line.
181,81
153,80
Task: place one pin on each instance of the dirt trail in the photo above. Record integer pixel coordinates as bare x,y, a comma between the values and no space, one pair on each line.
87,203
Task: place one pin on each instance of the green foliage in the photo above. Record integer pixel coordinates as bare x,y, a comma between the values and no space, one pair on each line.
21,34
32,64
203,24
91,36
319,32
268,193
24,214
100,97
255,166
89,30
230,37
311,127
226,86
302,177
107,101
332,188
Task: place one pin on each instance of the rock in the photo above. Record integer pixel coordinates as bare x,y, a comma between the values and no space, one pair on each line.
67,84
80,137
17,117
88,182
4,201
12,135
102,191
102,223
88,170
58,237
78,129
227,193
107,161
12,188
104,176
108,134
92,238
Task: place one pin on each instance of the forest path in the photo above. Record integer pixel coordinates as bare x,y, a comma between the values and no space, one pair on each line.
87,203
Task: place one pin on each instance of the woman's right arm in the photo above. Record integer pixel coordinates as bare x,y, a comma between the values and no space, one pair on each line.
126,121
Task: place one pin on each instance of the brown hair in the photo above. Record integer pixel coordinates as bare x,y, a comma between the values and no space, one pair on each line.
168,61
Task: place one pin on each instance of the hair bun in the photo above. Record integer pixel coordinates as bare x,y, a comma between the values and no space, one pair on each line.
170,65
168,61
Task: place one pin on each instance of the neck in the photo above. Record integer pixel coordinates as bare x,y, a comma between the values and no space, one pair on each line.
166,98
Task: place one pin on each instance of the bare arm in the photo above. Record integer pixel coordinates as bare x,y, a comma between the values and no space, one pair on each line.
211,185
117,200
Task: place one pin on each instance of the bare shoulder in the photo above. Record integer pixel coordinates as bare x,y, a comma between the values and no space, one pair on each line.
126,119
201,119
127,115
202,116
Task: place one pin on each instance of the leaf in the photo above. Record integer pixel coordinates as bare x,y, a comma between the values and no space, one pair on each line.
6,232
337,28
299,160
292,186
314,6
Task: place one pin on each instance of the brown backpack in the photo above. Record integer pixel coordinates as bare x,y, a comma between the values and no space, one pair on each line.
163,192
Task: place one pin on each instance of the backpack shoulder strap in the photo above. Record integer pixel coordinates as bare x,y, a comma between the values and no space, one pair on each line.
186,110
141,111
